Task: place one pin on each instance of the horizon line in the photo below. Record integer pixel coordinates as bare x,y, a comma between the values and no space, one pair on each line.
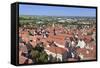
55,15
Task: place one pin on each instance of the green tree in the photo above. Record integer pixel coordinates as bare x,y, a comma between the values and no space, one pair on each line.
38,54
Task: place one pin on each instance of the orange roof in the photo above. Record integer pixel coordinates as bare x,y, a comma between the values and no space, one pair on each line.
57,50
22,59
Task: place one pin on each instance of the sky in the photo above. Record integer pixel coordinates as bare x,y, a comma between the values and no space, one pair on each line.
55,10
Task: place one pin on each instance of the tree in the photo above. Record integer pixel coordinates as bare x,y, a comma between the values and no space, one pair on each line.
38,54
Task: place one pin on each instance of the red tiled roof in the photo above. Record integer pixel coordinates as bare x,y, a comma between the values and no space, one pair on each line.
23,59
91,54
57,50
